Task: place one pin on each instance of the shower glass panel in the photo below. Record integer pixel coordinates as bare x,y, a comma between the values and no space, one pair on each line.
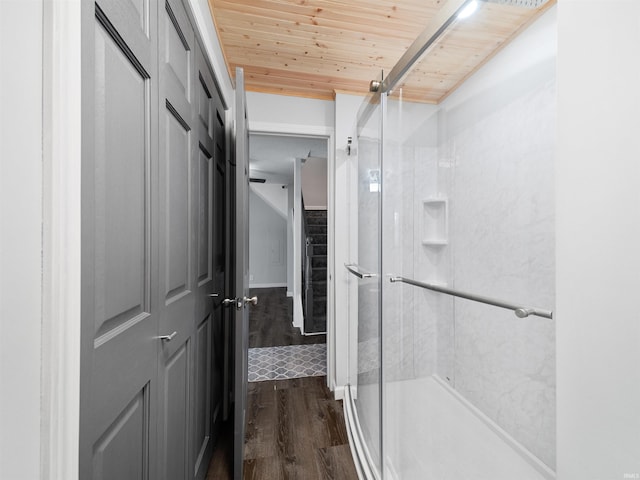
469,388
365,279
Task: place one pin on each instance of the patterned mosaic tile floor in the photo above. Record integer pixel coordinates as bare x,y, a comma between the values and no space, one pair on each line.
293,361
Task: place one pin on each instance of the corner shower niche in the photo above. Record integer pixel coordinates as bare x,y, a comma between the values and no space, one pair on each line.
435,237
435,224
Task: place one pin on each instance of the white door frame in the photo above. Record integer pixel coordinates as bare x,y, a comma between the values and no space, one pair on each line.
62,127
329,134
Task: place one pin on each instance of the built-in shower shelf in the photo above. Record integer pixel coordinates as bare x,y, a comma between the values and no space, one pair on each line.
435,222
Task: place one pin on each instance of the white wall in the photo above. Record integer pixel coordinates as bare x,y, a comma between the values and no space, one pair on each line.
314,183
21,24
598,239
288,113
267,244
274,195
346,110
290,201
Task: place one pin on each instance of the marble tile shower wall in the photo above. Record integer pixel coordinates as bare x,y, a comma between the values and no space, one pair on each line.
491,159
502,245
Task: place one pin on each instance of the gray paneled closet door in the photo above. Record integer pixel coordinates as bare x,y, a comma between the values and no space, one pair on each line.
151,355
177,210
119,318
206,405
221,314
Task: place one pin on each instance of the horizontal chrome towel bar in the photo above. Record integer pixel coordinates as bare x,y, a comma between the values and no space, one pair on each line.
521,312
355,270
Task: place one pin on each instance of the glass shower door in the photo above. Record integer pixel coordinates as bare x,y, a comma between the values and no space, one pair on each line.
365,282
467,236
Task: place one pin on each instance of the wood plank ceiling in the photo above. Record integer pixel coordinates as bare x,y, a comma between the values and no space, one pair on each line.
313,48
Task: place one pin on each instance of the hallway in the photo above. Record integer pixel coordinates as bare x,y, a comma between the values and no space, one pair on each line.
295,429
270,322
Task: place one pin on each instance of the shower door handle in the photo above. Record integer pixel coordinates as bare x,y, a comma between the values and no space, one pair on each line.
355,270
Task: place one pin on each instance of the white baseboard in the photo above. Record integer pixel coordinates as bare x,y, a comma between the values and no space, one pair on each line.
267,285
298,315
338,392
289,293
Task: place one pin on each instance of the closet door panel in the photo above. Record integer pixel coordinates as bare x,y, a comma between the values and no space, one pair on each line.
204,178
175,414
177,57
205,91
208,297
122,451
178,241
177,207
121,164
177,319
123,327
119,345
221,316
131,22
202,395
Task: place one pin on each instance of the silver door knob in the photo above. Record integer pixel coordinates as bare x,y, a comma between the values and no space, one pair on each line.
228,301
167,338
253,300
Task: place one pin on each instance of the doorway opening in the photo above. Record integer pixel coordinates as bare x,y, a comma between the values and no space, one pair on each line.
288,255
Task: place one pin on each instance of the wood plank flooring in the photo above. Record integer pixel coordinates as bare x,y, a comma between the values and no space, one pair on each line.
270,321
295,430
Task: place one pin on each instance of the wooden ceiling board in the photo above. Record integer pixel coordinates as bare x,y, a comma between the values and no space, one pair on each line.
313,48
448,63
330,13
290,25
325,43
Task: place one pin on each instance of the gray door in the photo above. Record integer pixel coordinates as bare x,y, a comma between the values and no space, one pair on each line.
206,403
241,274
221,348
179,207
153,157
119,345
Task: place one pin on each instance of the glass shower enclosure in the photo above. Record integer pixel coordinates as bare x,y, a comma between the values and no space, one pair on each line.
452,349
365,392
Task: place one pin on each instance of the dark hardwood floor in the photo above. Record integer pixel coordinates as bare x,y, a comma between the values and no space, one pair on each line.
270,321
295,430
